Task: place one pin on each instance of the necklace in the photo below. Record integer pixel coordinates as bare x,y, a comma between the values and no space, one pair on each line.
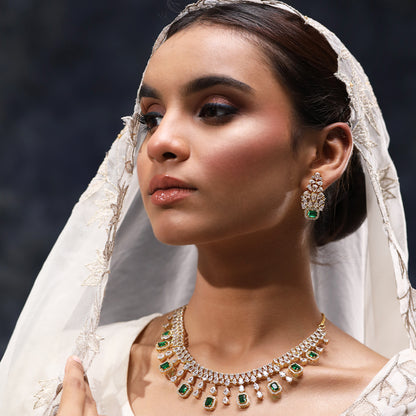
191,378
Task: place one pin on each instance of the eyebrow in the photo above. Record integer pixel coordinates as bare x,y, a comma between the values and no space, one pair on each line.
203,83
146,91
199,84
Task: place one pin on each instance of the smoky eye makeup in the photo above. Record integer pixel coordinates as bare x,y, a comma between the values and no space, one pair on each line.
150,120
217,113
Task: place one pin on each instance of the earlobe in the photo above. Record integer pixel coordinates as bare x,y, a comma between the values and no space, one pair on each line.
334,152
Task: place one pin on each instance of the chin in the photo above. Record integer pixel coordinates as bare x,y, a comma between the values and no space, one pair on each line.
174,236
183,236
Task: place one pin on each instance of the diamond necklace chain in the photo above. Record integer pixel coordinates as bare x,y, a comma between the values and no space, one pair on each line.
191,378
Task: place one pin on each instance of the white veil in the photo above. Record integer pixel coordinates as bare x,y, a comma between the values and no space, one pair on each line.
107,248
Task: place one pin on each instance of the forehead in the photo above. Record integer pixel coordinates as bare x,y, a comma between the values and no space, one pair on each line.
207,48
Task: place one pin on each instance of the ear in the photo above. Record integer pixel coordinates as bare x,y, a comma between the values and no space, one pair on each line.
333,151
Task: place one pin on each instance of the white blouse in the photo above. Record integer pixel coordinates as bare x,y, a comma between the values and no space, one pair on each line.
392,392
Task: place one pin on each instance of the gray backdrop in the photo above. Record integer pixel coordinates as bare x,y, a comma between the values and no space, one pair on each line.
69,70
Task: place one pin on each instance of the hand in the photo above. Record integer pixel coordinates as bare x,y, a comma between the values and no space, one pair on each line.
76,399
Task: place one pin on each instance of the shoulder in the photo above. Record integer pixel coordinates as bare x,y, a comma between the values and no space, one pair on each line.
126,326
348,372
392,391
142,354
108,372
150,333
126,335
120,336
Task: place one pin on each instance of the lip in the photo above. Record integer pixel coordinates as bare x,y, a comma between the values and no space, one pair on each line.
164,190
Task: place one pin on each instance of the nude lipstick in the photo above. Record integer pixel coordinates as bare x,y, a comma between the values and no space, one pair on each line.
165,190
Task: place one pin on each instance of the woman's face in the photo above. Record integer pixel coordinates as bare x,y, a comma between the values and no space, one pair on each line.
217,161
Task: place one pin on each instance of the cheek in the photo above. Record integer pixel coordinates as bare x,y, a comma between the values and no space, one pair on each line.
252,176
253,154
142,168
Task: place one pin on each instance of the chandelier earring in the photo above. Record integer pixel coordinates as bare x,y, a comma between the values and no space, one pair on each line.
313,199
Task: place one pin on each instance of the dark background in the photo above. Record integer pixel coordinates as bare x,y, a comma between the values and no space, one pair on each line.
69,69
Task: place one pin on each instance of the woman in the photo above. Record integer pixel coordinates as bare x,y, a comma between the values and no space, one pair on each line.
247,112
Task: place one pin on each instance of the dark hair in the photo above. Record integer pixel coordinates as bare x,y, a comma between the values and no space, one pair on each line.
305,64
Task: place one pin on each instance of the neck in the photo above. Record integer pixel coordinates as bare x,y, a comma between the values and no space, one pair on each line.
252,290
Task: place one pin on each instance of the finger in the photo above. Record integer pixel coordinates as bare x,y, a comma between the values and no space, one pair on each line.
74,389
90,408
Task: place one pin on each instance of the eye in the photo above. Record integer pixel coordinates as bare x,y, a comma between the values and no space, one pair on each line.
150,120
217,113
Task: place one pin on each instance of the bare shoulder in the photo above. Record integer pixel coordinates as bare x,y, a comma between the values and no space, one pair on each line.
142,364
144,346
347,367
346,352
150,333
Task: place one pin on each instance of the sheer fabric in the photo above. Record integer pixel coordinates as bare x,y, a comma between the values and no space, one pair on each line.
107,266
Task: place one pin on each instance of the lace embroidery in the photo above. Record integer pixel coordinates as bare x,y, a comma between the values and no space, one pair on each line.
401,375
359,89
363,408
362,137
48,390
409,395
208,3
104,211
388,184
108,212
89,340
98,269
386,392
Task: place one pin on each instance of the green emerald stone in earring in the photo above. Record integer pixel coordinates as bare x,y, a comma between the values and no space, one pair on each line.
274,388
243,401
184,390
210,403
312,214
296,370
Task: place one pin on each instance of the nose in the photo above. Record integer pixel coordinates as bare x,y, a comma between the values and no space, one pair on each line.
168,143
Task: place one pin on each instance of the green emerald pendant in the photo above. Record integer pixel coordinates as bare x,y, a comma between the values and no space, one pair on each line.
184,390
166,335
295,370
210,403
312,356
165,366
243,401
162,345
274,389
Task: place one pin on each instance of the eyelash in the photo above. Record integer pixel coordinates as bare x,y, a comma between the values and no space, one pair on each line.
218,113
213,113
150,120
